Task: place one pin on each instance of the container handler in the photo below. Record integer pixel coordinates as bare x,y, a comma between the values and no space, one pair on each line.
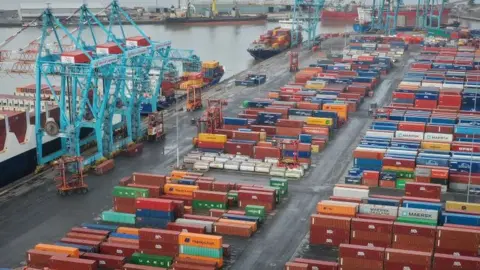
293,61
155,131
194,99
70,176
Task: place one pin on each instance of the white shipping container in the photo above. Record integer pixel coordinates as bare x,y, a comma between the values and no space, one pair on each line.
438,137
380,210
418,213
380,134
350,192
409,135
208,224
452,85
410,83
371,149
432,84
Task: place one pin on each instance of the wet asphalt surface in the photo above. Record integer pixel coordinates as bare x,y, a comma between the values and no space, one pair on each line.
34,213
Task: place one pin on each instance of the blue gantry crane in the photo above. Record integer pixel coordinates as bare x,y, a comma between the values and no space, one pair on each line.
306,14
97,82
429,13
391,16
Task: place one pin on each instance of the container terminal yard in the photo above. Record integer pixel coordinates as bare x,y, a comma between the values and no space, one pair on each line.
367,194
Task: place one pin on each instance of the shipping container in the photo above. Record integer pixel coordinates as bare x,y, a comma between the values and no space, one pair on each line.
72,252
452,262
317,264
105,261
191,228
232,229
406,259
72,263
40,259
200,240
161,236
131,266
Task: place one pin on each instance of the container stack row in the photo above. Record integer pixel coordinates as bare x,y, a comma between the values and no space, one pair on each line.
415,231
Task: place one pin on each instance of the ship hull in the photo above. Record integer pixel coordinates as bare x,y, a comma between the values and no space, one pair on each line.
12,171
219,20
351,16
262,54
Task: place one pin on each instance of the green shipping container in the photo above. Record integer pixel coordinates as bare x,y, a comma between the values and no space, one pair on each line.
403,174
130,192
281,192
255,211
279,182
438,33
278,194
197,205
117,217
417,221
400,183
216,253
151,260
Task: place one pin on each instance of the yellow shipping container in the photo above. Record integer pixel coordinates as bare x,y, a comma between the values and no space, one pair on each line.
210,64
314,86
397,169
127,230
273,95
200,240
315,148
253,225
200,258
436,146
319,121
181,190
463,206
337,208
208,137
72,252
275,45
263,136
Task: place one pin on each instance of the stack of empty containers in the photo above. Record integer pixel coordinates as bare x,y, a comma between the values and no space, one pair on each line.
152,212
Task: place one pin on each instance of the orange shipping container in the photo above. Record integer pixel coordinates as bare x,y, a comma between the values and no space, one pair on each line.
253,225
200,240
72,252
199,258
182,190
127,230
340,109
337,208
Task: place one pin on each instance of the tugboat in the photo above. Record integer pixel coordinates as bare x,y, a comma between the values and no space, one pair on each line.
275,41
213,17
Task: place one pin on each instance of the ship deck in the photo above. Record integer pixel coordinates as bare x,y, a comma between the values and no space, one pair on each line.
34,213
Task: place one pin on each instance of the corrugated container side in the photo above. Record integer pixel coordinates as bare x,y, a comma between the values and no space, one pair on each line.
451,262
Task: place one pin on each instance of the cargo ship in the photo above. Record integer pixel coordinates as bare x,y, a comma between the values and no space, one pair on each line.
407,15
212,16
210,74
273,42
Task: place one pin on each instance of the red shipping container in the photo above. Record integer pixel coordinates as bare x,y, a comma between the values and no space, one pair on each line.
158,235
439,129
265,196
185,199
204,185
199,217
247,136
423,190
86,236
90,231
414,243
407,258
318,237
345,199
138,41
191,228
125,181
105,261
318,265
412,126
195,262
296,266
179,208
336,222
377,226
288,131
149,179
398,162
465,147
186,266
221,186
232,229
376,217
217,212
425,104
82,242
387,184
130,266
212,196
419,199
269,130
72,263
125,241
155,204
40,259
238,148
265,152
210,145
109,48
153,191
227,132
124,205
75,57
450,262
118,249
308,106
361,257
167,248
461,226
414,230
